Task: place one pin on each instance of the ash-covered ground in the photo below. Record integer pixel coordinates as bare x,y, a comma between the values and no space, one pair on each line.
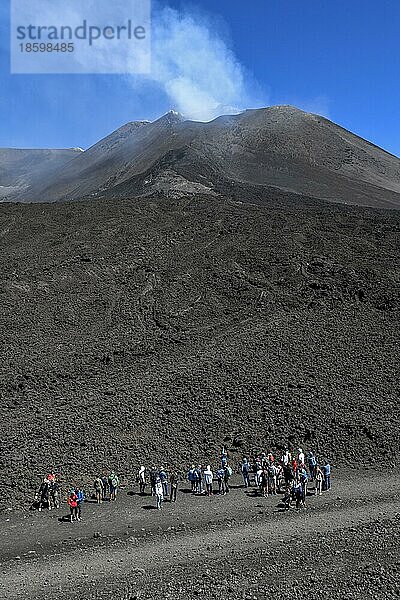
344,545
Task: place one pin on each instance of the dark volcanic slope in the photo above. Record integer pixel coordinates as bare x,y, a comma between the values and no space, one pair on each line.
128,151
279,146
154,329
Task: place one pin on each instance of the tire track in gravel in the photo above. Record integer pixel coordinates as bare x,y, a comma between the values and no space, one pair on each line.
364,501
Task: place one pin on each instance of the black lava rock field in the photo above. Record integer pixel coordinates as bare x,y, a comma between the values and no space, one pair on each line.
157,329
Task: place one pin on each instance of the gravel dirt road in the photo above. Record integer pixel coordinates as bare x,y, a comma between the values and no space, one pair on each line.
343,545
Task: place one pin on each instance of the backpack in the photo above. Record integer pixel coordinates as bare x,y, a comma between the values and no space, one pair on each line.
54,488
229,471
298,490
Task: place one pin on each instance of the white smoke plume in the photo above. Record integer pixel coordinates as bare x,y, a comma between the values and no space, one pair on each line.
191,62
195,67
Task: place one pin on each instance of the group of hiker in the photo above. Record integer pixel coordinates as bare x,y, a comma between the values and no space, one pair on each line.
49,494
106,486
288,473
163,484
291,474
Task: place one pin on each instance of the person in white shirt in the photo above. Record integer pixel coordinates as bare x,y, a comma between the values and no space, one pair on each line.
272,471
159,493
208,480
258,476
142,479
286,457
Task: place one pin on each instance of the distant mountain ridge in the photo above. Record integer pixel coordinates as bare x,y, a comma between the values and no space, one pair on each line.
281,147
24,168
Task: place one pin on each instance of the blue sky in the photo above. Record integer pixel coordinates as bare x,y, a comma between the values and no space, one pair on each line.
340,58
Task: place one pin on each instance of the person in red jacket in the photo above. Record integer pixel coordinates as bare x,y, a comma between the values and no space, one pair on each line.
73,506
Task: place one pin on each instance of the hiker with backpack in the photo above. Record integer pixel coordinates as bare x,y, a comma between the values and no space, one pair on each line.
80,499
312,465
287,498
280,480
263,460
220,478
54,494
163,475
199,480
319,479
246,472
227,475
104,479
72,502
192,477
113,482
43,495
254,469
153,480
304,482
173,480
272,471
196,478
327,476
287,474
298,493
224,457
98,489
264,482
